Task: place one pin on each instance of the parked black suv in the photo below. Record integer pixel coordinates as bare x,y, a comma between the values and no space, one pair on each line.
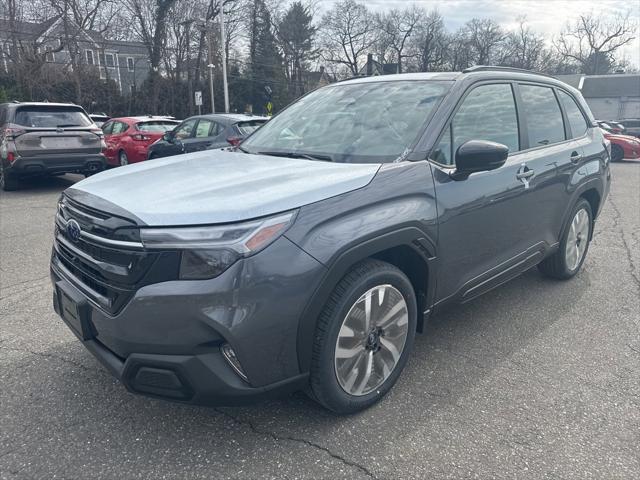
47,138
310,259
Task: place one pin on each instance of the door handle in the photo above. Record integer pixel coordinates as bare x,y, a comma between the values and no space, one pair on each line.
575,157
525,174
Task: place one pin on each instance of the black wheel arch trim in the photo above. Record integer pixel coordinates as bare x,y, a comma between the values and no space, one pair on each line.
411,237
591,184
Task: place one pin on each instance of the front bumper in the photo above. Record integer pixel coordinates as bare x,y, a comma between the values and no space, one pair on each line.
166,340
51,164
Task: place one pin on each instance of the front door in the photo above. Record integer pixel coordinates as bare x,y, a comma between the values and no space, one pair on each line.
484,235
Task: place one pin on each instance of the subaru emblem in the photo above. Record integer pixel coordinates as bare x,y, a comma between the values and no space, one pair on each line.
73,230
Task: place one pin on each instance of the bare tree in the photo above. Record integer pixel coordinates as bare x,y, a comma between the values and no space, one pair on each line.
592,41
396,27
430,43
483,37
348,32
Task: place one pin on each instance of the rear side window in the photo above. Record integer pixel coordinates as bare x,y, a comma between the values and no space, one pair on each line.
543,115
576,120
203,129
156,126
119,127
487,113
51,117
246,128
107,128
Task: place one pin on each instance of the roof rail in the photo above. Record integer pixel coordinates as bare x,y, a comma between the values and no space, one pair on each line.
497,68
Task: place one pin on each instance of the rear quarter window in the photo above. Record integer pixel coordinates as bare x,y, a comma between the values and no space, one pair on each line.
576,120
156,126
543,114
246,128
51,117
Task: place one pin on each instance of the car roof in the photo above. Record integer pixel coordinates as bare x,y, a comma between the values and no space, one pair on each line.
230,117
40,104
479,72
147,118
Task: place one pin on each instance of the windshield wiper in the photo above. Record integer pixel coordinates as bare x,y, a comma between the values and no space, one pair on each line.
66,125
308,156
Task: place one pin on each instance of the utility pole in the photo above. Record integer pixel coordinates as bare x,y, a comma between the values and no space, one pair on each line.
211,67
223,44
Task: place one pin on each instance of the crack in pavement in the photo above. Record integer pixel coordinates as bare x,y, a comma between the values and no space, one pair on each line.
50,355
303,441
32,287
32,280
616,220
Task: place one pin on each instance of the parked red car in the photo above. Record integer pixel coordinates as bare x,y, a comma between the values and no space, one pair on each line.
622,146
128,138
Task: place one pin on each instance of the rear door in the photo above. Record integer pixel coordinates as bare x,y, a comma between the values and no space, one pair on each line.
551,157
55,130
484,226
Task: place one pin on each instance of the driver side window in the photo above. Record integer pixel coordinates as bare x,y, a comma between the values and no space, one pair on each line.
487,113
184,130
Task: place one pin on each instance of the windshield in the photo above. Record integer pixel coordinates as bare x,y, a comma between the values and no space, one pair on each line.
51,117
360,122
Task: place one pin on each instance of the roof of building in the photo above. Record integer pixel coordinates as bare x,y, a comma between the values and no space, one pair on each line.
30,31
573,80
617,85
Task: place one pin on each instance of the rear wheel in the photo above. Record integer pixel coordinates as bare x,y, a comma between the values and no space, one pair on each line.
617,153
566,262
122,158
363,338
8,182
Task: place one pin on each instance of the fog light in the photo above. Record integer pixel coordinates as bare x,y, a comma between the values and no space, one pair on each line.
230,356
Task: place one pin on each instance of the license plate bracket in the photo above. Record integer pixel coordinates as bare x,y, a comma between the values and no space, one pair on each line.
74,310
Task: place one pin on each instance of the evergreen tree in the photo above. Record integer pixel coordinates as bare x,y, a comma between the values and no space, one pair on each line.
266,72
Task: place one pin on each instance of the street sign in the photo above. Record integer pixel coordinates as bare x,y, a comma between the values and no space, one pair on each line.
269,109
198,98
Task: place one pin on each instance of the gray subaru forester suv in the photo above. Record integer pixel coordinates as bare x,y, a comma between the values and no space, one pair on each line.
309,258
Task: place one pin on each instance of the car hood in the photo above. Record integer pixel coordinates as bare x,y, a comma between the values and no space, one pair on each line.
220,186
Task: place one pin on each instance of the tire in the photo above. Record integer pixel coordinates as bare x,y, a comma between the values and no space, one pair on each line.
348,382
617,153
564,264
8,182
122,158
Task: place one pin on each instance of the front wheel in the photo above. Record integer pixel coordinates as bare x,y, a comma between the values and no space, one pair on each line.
566,262
123,159
363,338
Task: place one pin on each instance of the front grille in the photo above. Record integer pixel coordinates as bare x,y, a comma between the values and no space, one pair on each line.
106,268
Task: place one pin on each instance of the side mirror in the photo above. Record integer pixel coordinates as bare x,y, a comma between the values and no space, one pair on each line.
167,137
479,156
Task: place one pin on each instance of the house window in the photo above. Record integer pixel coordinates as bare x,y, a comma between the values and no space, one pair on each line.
89,55
109,60
48,54
130,64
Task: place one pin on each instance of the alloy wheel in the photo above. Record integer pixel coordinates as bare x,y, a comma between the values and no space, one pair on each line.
123,159
577,239
371,340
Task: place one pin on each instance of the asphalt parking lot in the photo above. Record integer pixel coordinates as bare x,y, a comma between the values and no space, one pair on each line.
539,379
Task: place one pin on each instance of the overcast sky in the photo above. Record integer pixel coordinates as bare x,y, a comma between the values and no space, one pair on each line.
545,16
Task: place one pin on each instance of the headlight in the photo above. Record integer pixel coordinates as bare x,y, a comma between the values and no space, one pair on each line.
210,250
